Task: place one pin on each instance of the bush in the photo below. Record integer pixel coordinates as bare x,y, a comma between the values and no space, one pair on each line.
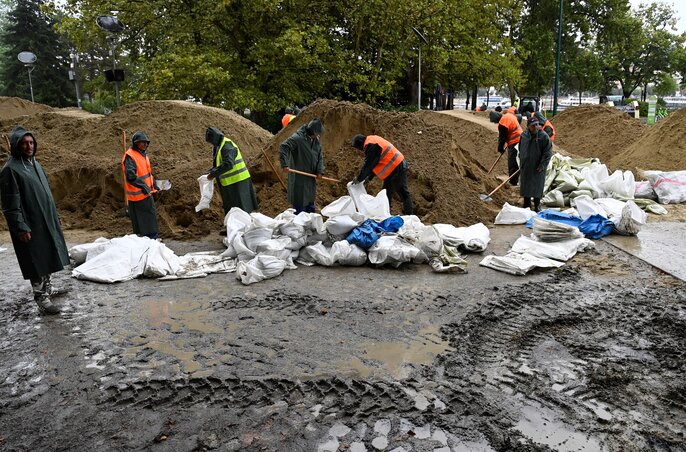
101,103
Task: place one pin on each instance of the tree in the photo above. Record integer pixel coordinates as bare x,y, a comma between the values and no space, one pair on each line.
29,29
666,86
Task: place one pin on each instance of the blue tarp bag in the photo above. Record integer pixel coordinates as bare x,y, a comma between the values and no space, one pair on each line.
596,226
555,215
366,234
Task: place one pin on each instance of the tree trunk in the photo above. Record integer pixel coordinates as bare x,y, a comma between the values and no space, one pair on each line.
474,94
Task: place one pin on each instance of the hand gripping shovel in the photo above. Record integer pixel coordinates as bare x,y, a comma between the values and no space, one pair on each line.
495,163
330,179
487,198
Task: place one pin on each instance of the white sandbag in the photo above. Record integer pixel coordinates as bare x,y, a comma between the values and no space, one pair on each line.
342,206
345,253
79,253
201,264
593,175
670,187
236,220
514,215
424,237
448,260
631,220
261,220
254,236
565,182
619,185
561,251
554,198
259,268
343,223
392,250
554,231
275,247
587,207
518,264
644,190
243,252
474,238
613,208
160,261
317,253
206,192
376,207
311,222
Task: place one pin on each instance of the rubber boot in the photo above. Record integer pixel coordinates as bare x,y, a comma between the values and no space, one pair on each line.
537,204
45,306
526,203
53,291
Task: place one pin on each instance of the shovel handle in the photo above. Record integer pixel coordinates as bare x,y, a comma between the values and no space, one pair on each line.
303,173
501,185
494,163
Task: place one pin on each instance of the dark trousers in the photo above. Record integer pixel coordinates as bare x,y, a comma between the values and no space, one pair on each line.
308,208
527,203
397,183
512,165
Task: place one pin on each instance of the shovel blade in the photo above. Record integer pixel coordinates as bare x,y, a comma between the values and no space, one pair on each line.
485,198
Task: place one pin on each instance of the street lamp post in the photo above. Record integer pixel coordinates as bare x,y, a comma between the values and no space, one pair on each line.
113,26
74,76
419,72
556,88
28,58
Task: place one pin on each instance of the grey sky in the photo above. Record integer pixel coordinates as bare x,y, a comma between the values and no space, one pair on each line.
679,6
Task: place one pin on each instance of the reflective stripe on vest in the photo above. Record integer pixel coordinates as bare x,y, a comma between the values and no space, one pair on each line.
390,156
143,174
238,172
514,129
550,124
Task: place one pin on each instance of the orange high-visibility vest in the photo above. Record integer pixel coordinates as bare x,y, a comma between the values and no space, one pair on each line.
550,124
391,157
510,122
143,172
287,118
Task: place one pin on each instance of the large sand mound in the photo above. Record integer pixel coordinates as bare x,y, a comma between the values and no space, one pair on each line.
596,131
12,107
662,147
445,179
82,156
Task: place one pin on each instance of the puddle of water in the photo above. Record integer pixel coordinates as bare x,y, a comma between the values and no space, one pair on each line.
395,358
185,358
542,426
183,315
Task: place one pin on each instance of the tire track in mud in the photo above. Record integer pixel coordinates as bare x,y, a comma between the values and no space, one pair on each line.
606,356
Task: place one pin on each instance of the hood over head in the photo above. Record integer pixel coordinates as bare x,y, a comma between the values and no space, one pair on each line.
15,137
315,127
358,141
139,136
214,136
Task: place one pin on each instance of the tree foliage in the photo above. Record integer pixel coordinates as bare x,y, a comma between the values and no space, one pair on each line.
30,29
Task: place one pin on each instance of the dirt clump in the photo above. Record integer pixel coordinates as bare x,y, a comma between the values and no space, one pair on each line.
596,131
445,179
12,107
660,148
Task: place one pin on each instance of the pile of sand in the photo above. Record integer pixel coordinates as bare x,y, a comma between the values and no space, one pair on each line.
662,147
596,131
82,154
12,107
445,179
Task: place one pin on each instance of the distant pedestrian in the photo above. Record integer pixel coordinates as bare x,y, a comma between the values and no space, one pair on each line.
508,139
230,172
535,152
385,161
302,151
32,219
140,186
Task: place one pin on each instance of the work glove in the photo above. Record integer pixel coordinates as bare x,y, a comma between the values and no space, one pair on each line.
355,181
501,150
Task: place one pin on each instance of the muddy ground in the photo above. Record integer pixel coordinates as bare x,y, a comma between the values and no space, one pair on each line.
589,357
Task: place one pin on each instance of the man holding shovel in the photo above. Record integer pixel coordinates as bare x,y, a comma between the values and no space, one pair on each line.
385,161
508,139
302,152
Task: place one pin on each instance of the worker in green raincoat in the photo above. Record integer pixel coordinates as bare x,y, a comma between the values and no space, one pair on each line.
535,152
302,151
32,219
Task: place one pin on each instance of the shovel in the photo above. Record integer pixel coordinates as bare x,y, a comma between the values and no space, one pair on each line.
494,163
487,198
311,175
